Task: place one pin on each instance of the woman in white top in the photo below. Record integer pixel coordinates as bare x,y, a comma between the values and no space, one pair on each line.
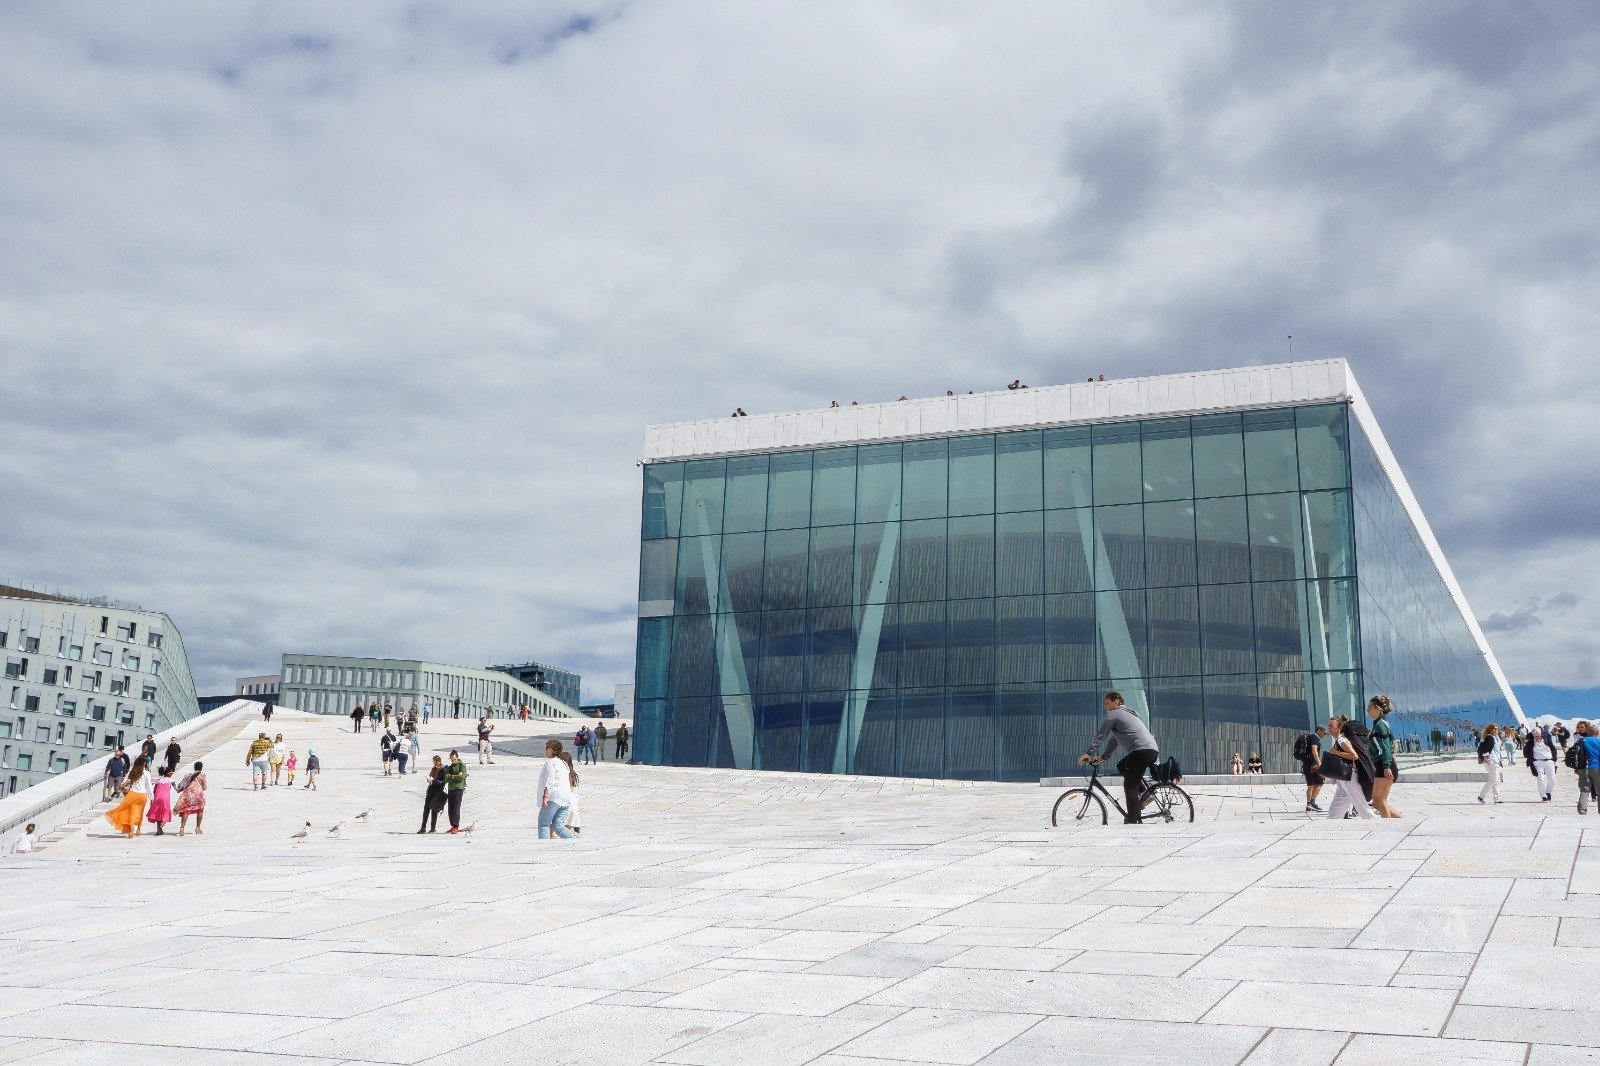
554,792
23,845
1489,756
1347,794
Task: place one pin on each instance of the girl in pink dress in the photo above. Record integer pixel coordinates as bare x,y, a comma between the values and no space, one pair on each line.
161,801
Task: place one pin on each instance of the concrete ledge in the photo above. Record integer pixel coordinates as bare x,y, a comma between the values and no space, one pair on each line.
62,798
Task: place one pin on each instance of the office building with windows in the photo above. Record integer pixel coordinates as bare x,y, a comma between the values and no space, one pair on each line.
331,684
945,587
264,685
559,684
82,676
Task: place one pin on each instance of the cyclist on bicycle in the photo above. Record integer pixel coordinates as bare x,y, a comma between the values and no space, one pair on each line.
1123,728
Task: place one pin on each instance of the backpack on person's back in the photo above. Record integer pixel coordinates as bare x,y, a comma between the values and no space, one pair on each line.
1304,744
1168,771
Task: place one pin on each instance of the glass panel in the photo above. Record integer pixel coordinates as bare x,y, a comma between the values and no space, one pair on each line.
1269,451
1227,639
1324,448
1120,623
1330,540
1231,721
971,647
1285,714
698,569
745,508
1067,565
658,568
1120,532
1168,465
1019,639
1223,548
878,482
1019,569
1340,693
872,584
789,494
921,732
1074,714
833,644
875,746
1178,720
1218,455
1019,472
778,721
702,496
970,734
972,475
1279,627
1117,475
886,657
927,479
921,569
663,499
649,722
1021,722
1070,638
655,648
741,563
824,713
1274,537
691,737
785,571
833,487
744,631
971,557
832,563
1174,632
1068,468
783,651
922,644
1331,607
694,670
1169,543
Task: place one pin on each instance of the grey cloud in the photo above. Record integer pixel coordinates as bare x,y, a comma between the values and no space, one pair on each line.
1515,622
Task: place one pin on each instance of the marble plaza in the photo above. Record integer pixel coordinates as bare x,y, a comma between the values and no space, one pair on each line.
725,917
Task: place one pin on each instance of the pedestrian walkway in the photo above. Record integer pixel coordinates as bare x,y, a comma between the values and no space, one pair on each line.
710,917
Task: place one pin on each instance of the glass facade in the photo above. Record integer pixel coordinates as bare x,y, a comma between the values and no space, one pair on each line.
955,607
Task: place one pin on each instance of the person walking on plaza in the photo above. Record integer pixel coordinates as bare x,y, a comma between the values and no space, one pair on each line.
574,808
455,780
427,711
622,741
289,766
1308,752
1489,758
116,769
1381,749
266,711
455,707
1122,728
279,752
372,715
402,752
356,716
173,753
1541,756
256,759
1588,738
434,798
386,749
485,748
313,768
600,740
1340,764
388,712
161,802
127,817
147,751
555,791
414,743
192,799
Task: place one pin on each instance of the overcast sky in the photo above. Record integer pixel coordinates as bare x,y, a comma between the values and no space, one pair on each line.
334,327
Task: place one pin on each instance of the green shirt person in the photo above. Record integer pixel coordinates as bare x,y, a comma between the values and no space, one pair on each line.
455,780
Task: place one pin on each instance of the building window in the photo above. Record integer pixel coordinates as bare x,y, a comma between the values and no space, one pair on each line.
153,639
102,655
30,644
24,760
124,715
5,730
149,692
97,711
130,662
75,652
60,764
119,686
66,707
50,676
92,681
16,694
30,702
124,630
150,720
105,620
83,738
3,637
14,669
41,734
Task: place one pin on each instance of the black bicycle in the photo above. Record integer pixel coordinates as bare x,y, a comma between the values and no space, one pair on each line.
1162,800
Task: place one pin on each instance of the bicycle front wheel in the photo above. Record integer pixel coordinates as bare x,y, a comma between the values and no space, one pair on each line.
1168,803
1077,805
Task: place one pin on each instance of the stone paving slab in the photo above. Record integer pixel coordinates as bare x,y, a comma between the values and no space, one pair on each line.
714,917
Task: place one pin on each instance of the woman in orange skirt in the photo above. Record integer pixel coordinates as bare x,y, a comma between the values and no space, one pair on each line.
127,817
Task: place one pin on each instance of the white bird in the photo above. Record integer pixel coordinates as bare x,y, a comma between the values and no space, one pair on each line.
363,816
303,833
470,827
335,830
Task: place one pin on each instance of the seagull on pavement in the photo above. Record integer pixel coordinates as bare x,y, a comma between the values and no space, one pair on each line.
335,830
470,827
303,833
363,816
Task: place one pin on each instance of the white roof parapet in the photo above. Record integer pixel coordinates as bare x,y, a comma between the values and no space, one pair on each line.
1200,392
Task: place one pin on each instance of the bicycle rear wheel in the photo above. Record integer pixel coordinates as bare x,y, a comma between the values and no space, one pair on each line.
1168,803
1078,805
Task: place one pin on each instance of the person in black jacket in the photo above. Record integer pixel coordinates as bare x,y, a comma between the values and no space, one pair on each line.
116,769
174,753
434,799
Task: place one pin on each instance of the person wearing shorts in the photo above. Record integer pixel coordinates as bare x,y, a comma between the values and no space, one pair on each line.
485,748
1311,768
257,759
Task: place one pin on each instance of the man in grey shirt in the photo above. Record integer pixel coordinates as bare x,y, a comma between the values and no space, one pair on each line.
1122,728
